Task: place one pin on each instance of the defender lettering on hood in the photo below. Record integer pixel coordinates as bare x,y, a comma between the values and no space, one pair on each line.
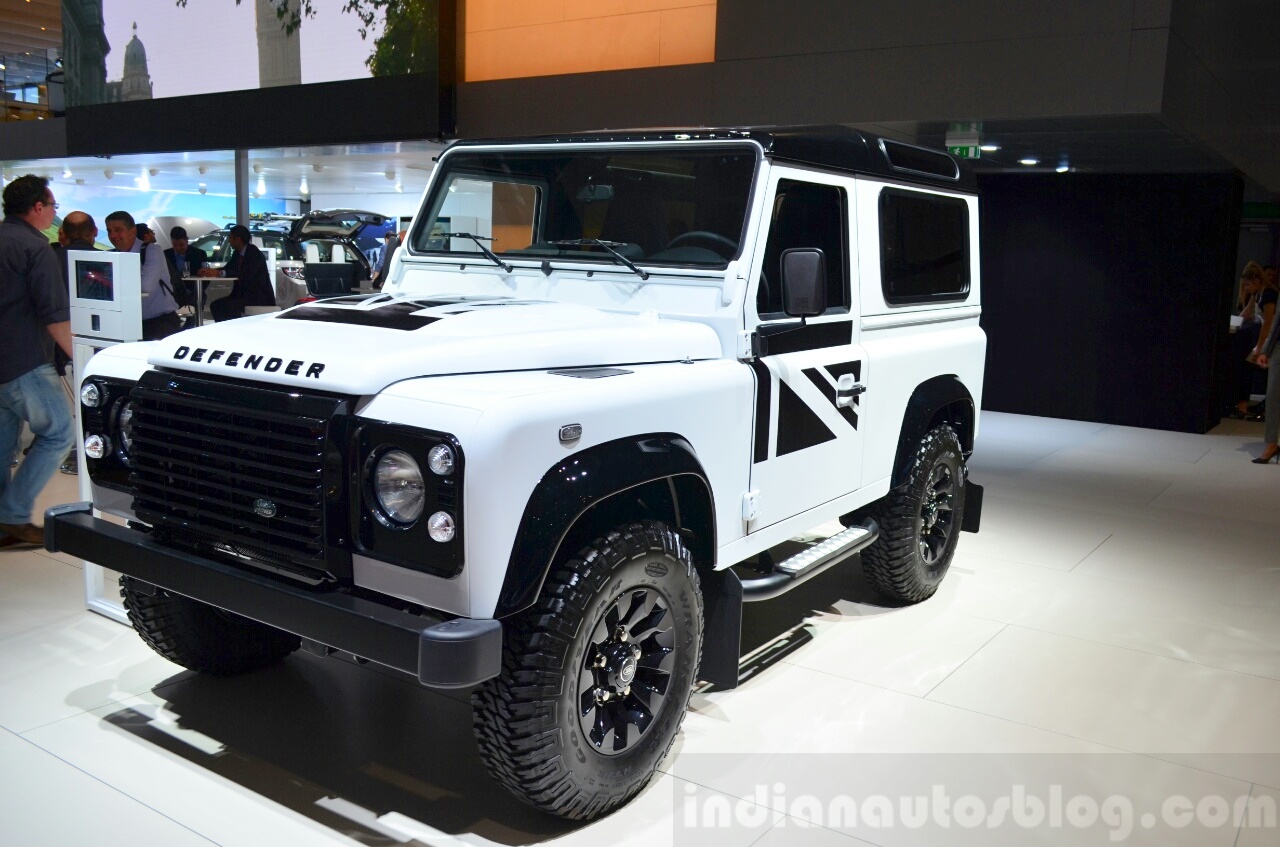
248,361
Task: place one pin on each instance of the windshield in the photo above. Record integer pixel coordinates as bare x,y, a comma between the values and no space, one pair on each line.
684,207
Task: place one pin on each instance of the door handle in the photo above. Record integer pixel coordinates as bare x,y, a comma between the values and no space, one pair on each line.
847,391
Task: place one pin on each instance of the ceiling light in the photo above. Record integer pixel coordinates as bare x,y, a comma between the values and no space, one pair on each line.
1028,161
989,148
203,169
399,187
154,171
262,186
317,168
390,174
1062,169
303,188
66,173
79,182
202,188
143,181
108,173
257,167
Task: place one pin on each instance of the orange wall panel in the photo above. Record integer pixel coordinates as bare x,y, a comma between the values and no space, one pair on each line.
502,14
688,35
506,39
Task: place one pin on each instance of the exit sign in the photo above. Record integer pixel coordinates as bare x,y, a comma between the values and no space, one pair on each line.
966,151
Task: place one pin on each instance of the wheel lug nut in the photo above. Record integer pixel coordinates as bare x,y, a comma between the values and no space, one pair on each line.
635,651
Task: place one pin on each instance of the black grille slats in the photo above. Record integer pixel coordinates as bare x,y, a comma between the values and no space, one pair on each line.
231,473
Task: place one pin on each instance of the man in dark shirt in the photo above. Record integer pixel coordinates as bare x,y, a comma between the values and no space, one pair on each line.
184,261
253,281
33,303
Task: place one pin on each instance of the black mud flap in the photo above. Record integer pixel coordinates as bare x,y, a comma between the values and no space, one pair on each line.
972,507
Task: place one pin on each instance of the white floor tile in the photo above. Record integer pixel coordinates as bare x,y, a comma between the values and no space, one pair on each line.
1205,717
1260,825
1035,533
1054,432
36,590
1152,619
910,649
71,665
46,801
1233,562
1152,443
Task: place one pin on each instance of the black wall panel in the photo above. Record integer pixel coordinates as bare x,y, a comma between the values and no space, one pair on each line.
1105,298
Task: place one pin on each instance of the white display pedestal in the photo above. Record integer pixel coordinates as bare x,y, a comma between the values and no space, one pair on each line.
106,309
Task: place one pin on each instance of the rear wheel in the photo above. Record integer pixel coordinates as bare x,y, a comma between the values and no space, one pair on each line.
201,637
596,676
919,521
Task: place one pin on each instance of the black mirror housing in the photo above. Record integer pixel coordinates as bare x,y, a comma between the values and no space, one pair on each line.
804,282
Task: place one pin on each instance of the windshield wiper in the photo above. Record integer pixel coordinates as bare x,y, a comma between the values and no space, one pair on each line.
608,245
479,240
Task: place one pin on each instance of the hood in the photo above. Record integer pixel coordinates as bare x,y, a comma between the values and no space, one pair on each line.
360,345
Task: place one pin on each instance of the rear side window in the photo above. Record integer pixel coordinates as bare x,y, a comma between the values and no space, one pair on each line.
924,247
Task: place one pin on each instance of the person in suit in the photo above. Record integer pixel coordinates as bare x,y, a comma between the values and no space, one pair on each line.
184,261
253,281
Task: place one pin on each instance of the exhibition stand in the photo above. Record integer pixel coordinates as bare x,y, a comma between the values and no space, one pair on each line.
106,309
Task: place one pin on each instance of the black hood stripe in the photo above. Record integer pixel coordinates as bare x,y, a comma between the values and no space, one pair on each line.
400,316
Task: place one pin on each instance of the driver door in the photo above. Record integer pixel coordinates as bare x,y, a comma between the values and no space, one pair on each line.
808,445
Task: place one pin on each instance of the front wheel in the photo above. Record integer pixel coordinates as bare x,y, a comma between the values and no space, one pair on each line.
919,521
201,637
596,675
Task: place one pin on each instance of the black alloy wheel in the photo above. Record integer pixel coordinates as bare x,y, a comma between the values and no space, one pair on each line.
626,670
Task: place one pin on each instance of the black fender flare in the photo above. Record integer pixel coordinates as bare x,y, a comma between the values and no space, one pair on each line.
929,397
576,484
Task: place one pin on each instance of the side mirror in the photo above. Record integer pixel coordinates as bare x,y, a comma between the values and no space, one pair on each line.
804,282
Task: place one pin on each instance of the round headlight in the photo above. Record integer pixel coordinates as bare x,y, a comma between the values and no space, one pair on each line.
90,395
441,527
97,446
124,426
398,485
440,460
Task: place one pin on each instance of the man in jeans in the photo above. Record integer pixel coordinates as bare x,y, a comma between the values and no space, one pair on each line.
33,303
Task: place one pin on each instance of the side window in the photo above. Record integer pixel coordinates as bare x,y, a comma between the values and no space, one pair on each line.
806,215
924,247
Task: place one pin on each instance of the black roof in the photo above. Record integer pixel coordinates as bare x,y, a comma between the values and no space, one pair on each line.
830,147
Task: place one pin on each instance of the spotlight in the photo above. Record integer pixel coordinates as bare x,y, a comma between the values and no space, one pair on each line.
303,188
257,167
66,173
317,168
390,174
399,187
79,182
154,171
202,188
1062,169
108,173
262,186
1028,161
989,148
203,170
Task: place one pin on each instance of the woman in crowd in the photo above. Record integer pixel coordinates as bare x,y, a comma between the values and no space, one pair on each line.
1258,312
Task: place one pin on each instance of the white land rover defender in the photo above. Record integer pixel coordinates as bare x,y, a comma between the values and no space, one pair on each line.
550,459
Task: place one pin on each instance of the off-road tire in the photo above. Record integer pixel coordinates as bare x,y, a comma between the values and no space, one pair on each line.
201,637
527,720
893,564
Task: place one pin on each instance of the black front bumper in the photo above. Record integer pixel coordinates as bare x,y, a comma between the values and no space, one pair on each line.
442,653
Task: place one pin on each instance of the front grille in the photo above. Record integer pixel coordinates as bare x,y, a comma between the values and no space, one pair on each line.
238,472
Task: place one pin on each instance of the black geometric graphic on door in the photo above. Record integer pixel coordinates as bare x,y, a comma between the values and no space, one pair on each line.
828,387
798,426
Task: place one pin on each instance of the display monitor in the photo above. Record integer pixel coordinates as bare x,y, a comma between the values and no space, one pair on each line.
94,280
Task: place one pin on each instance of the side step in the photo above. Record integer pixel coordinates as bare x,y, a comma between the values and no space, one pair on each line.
809,563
